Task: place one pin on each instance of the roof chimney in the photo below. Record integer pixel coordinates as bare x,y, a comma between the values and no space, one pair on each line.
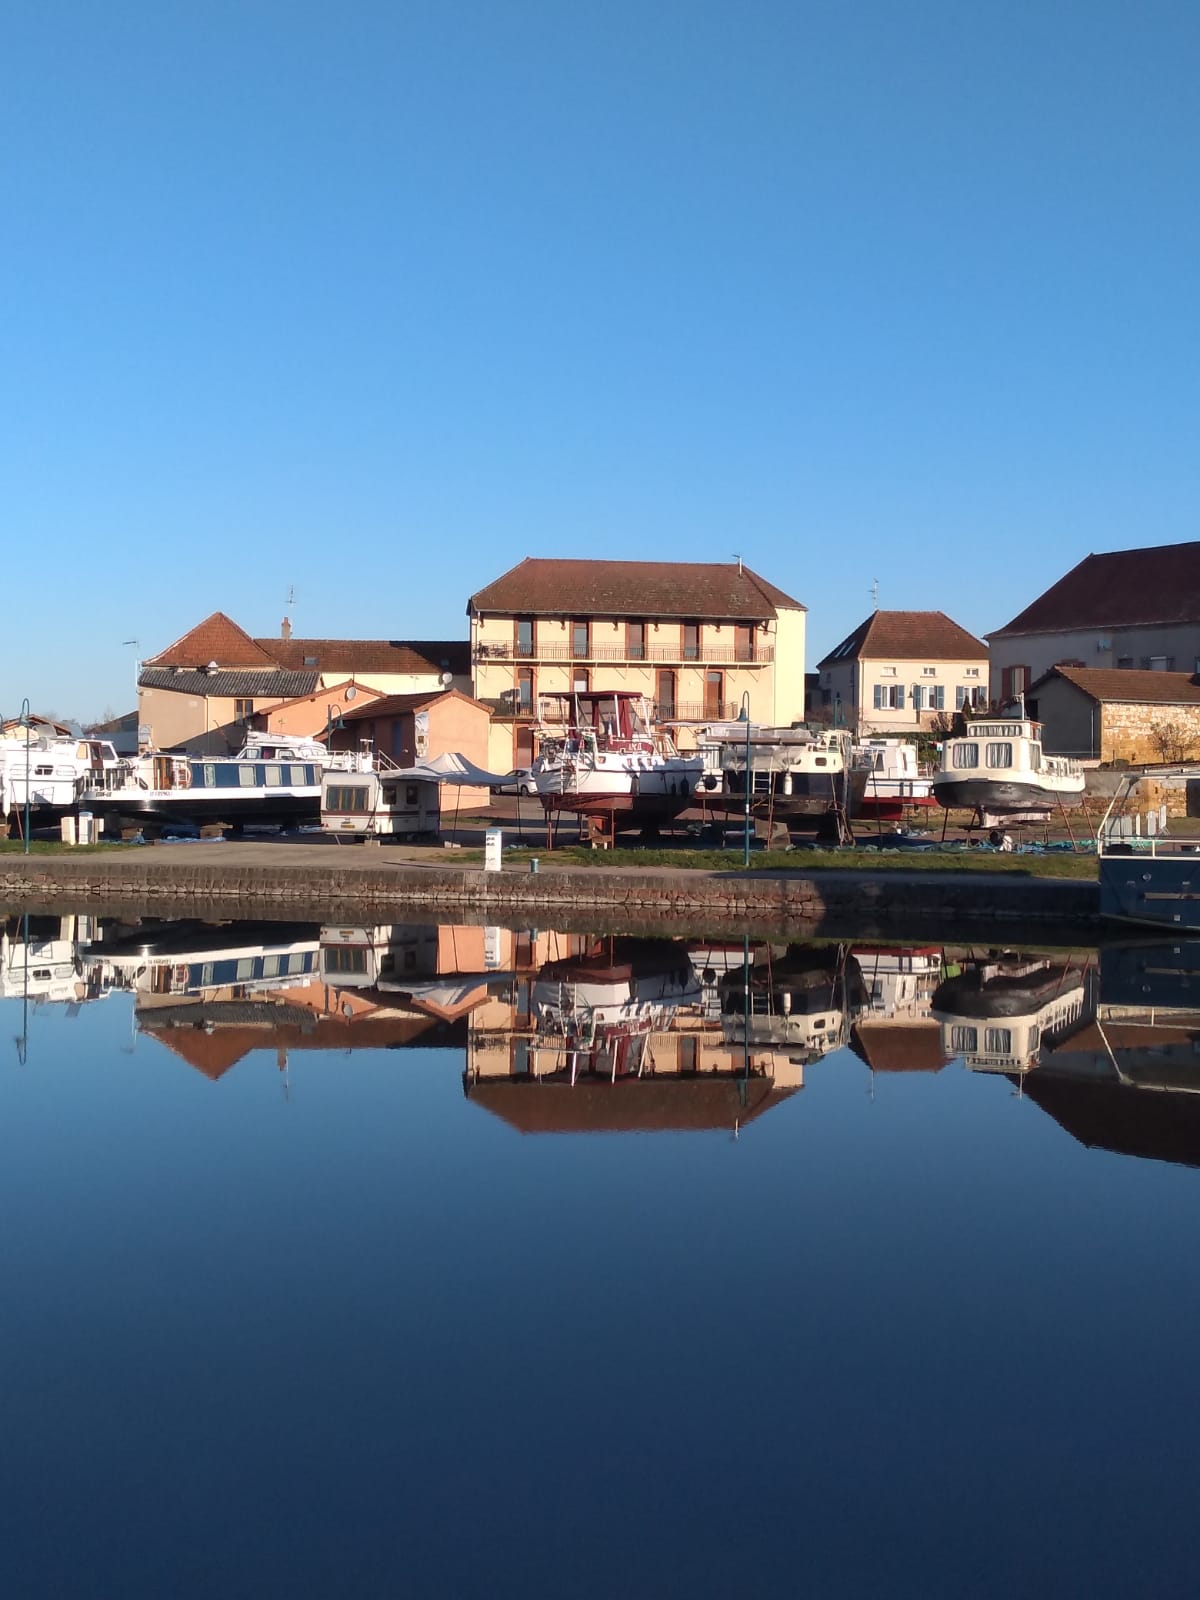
285,629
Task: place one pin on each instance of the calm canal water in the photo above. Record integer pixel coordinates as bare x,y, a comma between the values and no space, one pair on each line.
413,1261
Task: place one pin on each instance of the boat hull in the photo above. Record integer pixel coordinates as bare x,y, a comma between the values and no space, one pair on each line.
199,808
996,795
1151,890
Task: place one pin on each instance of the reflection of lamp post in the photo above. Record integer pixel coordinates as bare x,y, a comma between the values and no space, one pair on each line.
25,720
744,716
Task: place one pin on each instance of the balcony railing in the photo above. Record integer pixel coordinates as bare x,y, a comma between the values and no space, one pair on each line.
732,655
553,710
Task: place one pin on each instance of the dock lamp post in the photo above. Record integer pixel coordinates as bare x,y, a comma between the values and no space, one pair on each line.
25,723
744,716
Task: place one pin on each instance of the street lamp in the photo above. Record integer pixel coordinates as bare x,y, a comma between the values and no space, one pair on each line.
25,719
744,716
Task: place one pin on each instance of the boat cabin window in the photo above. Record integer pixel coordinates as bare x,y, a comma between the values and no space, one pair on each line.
410,794
965,754
297,775
963,1039
208,775
248,776
1035,756
274,776
997,1041
1000,755
820,761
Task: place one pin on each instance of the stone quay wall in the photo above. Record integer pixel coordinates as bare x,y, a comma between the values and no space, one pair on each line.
607,899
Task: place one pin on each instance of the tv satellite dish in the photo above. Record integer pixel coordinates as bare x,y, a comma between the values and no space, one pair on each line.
351,691
446,679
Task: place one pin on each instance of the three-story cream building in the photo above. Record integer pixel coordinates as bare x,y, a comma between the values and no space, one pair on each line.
698,639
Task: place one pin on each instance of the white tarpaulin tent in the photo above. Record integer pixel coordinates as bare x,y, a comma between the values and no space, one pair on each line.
452,768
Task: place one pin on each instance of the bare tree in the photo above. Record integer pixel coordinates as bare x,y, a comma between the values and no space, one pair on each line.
1172,740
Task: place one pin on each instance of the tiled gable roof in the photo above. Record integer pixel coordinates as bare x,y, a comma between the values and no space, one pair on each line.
553,587
218,638
247,685
323,694
394,705
1129,684
416,658
1117,589
908,636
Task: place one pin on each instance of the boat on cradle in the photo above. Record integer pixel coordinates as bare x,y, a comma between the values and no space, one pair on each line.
602,755
794,771
1146,876
894,778
999,770
998,1011
270,782
52,771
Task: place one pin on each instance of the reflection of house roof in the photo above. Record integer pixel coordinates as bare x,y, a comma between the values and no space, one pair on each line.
1104,1115
231,685
1129,684
213,1048
908,636
1118,588
631,1105
554,587
899,1046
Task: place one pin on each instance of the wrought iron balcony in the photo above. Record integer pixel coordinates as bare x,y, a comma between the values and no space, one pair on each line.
714,655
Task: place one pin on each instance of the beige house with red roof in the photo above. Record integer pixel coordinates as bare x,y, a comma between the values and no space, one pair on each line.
693,637
200,693
1132,610
899,671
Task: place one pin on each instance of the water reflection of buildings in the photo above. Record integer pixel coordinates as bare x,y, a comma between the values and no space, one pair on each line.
1127,1079
895,1031
610,1035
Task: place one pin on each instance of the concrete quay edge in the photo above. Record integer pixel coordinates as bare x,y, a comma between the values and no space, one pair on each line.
194,882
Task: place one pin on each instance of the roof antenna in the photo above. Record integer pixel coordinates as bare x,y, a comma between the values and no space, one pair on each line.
875,594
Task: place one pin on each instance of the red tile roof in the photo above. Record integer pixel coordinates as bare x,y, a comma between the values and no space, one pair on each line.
395,705
908,636
559,588
1129,685
218,638
1119,588
418,657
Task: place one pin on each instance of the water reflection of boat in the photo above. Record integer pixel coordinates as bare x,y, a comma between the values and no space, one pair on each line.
191,957
620,1036
1128,1079
40,961
804,1000
997,1011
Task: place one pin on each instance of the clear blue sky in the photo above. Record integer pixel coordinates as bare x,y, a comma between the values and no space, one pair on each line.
377,298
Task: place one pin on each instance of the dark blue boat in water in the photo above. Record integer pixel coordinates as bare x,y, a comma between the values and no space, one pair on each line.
1157,886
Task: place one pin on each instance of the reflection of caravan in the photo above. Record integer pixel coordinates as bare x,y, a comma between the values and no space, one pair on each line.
378,957
997,1012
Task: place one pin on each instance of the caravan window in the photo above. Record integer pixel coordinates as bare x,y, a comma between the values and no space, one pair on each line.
389,795
966,754
410,794
1000,755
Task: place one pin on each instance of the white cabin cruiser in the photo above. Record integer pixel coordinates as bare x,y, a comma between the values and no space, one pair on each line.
999,769
894,778
51,770
800,769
